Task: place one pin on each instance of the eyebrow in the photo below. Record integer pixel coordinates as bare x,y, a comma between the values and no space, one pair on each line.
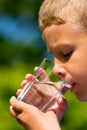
60,47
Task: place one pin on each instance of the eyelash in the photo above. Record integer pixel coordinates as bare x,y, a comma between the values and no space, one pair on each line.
67,55
63,56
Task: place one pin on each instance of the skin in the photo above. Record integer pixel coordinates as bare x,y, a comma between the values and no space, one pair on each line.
68,44
31,118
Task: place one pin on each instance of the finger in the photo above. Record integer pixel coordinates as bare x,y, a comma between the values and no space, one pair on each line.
63,104
19,109
14,108
29,77
42,73
59,108
17,105
23,83
12,111
20,105
18,92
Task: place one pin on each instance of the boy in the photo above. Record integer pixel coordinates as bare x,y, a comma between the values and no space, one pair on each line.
64,29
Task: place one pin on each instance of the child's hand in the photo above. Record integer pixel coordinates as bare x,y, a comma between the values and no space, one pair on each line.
31,118
29,77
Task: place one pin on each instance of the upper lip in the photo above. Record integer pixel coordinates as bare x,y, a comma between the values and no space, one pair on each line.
70,82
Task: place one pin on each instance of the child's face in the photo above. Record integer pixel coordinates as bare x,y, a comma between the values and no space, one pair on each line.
69,47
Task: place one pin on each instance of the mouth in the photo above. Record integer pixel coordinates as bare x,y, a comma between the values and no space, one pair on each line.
72,89
73,85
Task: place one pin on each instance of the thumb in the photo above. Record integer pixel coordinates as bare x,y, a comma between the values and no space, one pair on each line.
60,107
17,105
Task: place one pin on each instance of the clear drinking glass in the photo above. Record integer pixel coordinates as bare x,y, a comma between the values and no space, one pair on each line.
43,92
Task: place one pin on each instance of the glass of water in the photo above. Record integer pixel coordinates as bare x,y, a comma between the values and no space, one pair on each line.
43,92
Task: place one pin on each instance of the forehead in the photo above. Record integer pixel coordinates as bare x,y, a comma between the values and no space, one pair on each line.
58,34
58,30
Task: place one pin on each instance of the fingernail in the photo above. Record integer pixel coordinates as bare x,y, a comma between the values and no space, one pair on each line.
61,100
11,107
54,106
13,98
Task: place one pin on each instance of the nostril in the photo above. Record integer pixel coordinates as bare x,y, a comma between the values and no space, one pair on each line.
59,74
59,71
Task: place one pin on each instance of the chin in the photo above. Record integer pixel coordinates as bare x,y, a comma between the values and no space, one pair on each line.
81,98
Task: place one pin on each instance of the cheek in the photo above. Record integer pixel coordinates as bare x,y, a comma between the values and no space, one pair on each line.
81,79
78,71
78,64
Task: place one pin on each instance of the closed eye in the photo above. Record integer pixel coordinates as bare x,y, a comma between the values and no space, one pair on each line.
62,52
67,55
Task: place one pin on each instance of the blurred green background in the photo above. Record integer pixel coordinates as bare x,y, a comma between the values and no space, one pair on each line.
21,49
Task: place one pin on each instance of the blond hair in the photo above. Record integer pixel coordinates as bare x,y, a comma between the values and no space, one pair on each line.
63,11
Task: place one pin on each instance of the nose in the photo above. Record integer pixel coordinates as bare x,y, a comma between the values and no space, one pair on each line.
59,71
